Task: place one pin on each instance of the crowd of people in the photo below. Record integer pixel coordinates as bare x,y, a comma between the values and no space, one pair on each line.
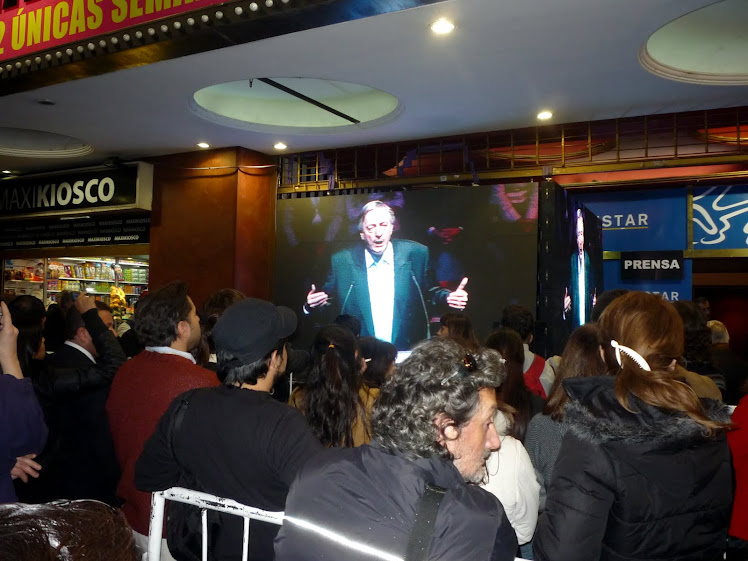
623,447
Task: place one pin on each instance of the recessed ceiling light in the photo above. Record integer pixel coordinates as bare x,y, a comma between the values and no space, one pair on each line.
442,26
7,171
280,146
545,115
203,145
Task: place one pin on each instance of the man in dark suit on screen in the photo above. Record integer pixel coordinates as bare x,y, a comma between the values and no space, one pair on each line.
385,283
580,297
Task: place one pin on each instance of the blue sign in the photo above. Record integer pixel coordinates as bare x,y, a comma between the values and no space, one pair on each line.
647,220
720,217
669,289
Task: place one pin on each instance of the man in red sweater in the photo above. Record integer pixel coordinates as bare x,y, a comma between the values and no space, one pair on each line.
145,385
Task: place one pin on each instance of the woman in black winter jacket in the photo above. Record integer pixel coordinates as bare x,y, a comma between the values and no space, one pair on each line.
644,468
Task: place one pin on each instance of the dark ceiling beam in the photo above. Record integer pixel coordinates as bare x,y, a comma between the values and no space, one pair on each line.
302,97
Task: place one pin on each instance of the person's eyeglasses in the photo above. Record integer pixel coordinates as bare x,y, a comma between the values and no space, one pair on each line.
468,366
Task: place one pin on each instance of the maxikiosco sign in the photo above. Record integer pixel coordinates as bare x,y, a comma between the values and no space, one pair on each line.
128,187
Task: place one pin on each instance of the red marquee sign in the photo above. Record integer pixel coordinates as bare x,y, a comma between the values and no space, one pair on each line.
42,25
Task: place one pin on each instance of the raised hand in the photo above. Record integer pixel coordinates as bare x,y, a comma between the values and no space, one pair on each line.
315,298
459,298
8,350
84,303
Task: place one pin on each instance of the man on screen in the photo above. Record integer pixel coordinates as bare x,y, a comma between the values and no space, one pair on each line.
384,283
581,296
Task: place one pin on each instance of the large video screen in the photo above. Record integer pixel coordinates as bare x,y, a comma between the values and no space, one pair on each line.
575,270
413,256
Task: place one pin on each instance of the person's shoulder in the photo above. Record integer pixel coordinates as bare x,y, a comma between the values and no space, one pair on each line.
331,465
347,252
540,426
368,393
201,372
475,500
408,245
9,383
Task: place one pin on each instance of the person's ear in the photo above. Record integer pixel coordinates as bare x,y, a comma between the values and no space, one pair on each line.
361,234
671,366
275,360
183,330
530,339
445,428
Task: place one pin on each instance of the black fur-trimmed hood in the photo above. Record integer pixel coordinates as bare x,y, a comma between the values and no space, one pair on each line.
594,414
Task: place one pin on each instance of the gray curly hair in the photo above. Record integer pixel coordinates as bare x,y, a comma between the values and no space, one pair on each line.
430,383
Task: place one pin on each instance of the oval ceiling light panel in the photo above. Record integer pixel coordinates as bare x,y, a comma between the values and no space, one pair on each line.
295,105
706,46
28,143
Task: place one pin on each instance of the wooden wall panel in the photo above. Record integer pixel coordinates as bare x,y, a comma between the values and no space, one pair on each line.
255,225
204,208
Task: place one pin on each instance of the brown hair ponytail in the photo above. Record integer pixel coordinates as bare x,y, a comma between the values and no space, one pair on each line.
652,327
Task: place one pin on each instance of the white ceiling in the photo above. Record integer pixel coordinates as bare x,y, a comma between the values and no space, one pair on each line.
505,61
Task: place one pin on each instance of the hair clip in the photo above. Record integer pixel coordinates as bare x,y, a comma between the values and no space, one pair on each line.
636,357
468,366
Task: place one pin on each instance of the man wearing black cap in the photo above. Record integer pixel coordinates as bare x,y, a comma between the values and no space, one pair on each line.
234,441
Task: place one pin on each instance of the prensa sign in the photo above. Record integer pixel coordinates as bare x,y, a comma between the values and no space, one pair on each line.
129,187
652,265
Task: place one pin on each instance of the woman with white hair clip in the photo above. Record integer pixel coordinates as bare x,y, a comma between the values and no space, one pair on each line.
644,468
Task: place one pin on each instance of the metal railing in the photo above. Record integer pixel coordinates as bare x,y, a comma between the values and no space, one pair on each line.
690,138
205,502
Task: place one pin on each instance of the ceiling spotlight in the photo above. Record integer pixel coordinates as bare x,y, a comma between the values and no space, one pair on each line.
545,115
280,146
442,26
7,171
203,145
